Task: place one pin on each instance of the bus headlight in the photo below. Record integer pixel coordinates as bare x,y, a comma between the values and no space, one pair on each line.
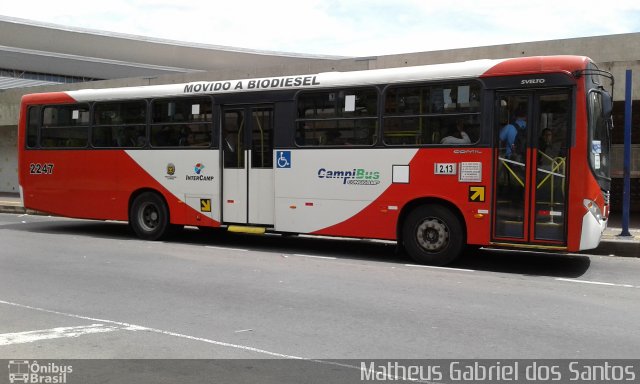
593,208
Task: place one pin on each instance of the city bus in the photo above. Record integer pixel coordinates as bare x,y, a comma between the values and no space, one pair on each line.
510,153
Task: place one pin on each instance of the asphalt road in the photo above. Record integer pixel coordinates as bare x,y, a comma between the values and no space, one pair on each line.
86,289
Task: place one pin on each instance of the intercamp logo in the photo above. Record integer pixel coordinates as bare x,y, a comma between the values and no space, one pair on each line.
200,176
198,168
23,371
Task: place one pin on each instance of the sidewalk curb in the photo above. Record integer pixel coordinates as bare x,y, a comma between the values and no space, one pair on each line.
12,209
17,209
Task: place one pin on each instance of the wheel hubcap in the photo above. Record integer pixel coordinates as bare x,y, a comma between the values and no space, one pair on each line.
149,217
432,235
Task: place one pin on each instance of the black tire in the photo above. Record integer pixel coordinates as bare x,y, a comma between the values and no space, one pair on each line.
433,235
149,216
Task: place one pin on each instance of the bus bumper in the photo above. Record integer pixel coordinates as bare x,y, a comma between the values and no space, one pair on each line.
592,230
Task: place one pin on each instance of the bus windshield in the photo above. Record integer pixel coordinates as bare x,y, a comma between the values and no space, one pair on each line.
599,135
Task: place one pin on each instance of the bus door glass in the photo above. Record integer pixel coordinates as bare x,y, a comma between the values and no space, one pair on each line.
510,182
531,137
550,156
247,162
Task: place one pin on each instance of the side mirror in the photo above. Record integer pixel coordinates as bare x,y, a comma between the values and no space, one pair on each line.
607,109
607,105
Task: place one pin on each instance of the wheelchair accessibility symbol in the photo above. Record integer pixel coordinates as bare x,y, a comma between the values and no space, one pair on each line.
283,159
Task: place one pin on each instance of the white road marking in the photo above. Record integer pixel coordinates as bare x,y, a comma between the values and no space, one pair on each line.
226,248
444,268
133,327
313,257
53,333
598,283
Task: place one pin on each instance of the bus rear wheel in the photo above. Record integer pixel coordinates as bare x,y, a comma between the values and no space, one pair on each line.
149,216
433,235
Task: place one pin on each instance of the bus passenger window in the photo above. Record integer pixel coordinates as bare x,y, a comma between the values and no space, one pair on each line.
65,126
447,114
119,124
184,122
339,117
32,127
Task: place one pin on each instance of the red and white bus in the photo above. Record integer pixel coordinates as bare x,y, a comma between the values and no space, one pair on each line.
496,153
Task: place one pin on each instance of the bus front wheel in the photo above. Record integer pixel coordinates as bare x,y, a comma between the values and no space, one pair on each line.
433,235
149,216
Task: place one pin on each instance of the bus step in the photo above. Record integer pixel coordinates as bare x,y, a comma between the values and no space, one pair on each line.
246,229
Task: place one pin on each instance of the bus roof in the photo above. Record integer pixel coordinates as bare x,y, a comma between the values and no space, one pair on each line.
460,70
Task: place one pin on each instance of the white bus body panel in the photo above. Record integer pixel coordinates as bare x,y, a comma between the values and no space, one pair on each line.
234,195
261,196
308,198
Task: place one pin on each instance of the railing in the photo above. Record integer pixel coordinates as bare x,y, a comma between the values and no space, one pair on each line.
556,164
507,165
557,168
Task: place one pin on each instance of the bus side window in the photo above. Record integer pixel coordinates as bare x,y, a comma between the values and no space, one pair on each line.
32,127
182,122
119,124
65,126
427,114
337,117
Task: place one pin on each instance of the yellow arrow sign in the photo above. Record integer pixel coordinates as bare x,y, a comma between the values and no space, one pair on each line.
205,205
476,194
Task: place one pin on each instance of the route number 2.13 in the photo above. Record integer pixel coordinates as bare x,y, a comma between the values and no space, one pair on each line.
41,169
445,168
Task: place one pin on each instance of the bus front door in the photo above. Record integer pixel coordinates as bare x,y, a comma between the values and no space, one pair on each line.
531,136
247,165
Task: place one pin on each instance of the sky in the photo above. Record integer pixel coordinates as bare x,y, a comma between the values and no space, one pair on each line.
340,27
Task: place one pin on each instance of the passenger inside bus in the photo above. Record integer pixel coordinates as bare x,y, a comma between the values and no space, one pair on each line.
165,136
186,137
546,144
334,137
457,135
130,137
